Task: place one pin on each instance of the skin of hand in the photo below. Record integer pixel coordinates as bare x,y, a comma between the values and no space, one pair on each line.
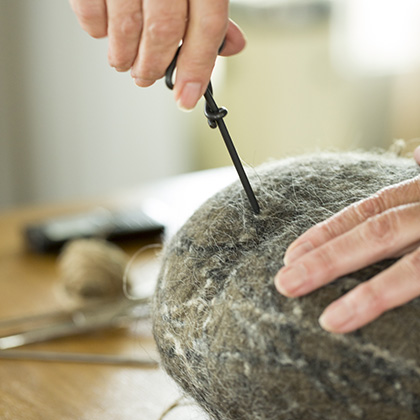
145,34
384,225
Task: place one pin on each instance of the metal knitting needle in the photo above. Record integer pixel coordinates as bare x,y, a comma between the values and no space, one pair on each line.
20,331
215,117
89,358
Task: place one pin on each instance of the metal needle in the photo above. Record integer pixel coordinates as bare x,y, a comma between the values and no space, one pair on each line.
215,117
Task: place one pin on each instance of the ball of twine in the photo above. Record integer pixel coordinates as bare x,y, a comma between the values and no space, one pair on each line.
92,269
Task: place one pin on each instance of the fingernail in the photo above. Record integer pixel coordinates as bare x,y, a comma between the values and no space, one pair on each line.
189,96
289,281
297,252
336,316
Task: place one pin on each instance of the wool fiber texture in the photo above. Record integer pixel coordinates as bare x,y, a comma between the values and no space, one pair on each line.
243,351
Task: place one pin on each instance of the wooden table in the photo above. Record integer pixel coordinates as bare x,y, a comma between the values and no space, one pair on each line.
32,390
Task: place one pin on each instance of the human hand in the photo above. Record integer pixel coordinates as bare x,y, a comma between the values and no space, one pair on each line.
144,36
384,225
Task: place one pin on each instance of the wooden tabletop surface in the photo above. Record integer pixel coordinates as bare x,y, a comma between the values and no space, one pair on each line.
29,285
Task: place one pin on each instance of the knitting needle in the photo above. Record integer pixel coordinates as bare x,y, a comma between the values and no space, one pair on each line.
52,356
60,324
215,117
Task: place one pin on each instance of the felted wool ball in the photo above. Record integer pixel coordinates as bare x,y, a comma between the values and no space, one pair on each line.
245,352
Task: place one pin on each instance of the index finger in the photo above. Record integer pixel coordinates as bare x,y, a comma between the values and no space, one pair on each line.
207,26
405,192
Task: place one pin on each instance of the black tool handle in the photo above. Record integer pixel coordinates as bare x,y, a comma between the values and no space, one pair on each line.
215,117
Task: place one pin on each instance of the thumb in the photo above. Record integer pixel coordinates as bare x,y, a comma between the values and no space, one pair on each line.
234,40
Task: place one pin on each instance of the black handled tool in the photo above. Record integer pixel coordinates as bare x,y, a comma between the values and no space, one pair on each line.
215,117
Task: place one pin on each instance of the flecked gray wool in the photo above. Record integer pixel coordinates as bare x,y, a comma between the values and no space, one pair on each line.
243,351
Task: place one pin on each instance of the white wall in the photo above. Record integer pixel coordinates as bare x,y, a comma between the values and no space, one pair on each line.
284,95
70,126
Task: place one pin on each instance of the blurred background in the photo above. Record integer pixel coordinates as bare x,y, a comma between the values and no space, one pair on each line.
315,75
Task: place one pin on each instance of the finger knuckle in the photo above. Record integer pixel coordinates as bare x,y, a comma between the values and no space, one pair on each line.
372,206
329,229
371,294
165,29
129,24
327,261
212,25
382,229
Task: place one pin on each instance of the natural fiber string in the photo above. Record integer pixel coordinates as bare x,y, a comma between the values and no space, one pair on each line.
128,267
97,269
177,403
